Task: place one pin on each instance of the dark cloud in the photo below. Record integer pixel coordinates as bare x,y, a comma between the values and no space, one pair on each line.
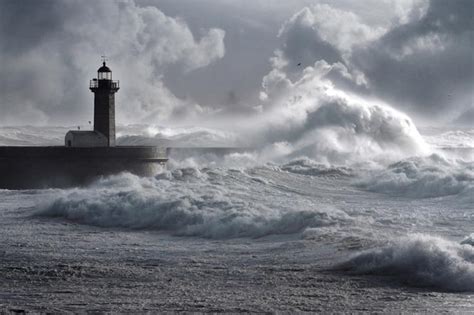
425,66
422,64
250,39
304,45
25,24
51,50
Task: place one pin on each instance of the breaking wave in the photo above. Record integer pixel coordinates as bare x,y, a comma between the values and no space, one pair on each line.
313,117
431,176
305,166
421,261
190,202
469,240
32,136
212,157
152,135
451,139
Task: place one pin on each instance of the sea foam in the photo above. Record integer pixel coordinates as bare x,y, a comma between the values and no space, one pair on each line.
209,203
469,240
306,166
421,261
430,176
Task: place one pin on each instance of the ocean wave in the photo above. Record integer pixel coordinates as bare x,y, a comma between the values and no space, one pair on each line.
153,135
319,120
189,202
431,176
451,139
212,157
469,240
127,135
306,166
32,136
421,261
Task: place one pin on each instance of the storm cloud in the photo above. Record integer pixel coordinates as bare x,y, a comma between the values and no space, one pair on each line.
197,60
422,64
427,64
50,49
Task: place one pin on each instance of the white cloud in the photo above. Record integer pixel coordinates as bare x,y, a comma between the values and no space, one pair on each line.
427,44
341,29
407,11
405,51
141,43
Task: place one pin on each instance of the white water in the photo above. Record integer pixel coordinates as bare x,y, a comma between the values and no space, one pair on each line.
420,260
407,219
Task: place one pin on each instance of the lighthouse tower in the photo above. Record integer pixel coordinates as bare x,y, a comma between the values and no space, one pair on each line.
104,90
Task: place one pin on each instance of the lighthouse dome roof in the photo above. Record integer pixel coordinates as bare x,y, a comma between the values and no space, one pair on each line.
104,68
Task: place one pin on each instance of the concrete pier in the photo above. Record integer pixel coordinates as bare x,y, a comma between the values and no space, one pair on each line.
46,167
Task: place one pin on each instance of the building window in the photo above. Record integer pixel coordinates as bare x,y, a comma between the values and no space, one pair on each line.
105,75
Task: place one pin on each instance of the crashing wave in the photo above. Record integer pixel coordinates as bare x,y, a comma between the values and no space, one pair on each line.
319,120
32,136
431,176
421,261
468,240
136,135
451,139
188,202
307,166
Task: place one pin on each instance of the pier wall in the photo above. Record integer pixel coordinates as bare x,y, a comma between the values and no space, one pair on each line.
46,167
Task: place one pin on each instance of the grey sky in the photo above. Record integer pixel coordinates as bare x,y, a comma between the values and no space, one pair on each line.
191,59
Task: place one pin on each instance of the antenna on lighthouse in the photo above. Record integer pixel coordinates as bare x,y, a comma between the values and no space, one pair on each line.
104,58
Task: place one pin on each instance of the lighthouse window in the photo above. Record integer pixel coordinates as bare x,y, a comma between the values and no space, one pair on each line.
105,75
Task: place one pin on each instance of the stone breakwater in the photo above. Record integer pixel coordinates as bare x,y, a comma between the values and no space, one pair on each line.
46,167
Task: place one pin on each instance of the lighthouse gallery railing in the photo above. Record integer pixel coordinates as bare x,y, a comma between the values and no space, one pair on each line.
94,84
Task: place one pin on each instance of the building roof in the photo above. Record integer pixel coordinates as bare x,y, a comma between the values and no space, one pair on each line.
85,133
104,68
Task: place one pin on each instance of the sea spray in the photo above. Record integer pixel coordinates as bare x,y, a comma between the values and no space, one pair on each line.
469,240
320,120
209,203
419,260
421,177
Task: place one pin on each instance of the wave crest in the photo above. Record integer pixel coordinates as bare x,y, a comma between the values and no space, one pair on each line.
187,203
431,176
469,240
421,261
307,166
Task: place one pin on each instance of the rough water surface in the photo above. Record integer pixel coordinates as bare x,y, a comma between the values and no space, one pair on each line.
232,233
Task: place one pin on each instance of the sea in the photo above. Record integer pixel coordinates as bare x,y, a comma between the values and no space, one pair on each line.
279,228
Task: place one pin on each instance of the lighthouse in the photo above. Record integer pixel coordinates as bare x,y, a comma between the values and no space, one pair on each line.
87,154
104,89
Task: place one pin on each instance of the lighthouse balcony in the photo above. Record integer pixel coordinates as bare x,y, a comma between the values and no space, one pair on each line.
104,84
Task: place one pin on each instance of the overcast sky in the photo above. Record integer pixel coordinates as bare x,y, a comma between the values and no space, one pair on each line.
187,61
